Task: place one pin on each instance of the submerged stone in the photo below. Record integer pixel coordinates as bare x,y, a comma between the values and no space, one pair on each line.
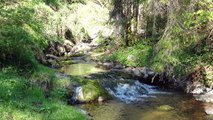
165,108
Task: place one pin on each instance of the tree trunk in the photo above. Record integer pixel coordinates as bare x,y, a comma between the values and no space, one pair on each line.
154,20
136,15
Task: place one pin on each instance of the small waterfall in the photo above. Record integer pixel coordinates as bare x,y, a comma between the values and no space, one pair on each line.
130,93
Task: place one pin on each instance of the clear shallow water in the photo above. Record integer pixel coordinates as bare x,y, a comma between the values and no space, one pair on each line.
136,101
81,69
182,109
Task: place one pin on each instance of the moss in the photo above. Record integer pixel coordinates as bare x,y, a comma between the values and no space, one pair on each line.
80,80
91,89
90,92
66,62
165,108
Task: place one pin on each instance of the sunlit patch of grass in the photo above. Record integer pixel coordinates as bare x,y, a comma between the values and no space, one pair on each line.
20,99
137,55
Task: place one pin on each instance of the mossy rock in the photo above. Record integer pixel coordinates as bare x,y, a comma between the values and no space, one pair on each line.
66,62
165,108
91,91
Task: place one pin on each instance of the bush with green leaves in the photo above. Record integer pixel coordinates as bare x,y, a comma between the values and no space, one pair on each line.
20,34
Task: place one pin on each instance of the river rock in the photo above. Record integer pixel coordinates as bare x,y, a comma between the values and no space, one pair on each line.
199,84
143,72
150,72
108,65
101,99
61,50
125,73
136,72
127,70
89,92
68,43
118,66
82,47
53,57
205,97
208,108
194,87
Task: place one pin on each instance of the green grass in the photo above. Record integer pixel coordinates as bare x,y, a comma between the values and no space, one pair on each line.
21,99
178,61
140,55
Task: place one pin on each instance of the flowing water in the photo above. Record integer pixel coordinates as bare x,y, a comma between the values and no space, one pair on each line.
133,100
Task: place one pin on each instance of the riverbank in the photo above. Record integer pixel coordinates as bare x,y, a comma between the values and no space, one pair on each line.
33,96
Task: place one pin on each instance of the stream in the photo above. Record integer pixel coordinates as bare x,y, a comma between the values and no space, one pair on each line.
132,100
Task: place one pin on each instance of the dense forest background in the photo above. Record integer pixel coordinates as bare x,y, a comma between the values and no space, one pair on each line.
174,37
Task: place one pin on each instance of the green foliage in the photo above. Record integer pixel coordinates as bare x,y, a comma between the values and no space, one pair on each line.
20,35
83,26
92,90
183,44
137,55
52,2
44,78
63,88
20,99
64,112
184,47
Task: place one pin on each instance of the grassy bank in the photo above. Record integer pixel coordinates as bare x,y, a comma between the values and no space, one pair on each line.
33,97
180,63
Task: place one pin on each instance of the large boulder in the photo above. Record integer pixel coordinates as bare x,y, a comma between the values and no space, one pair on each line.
91,91
205,97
